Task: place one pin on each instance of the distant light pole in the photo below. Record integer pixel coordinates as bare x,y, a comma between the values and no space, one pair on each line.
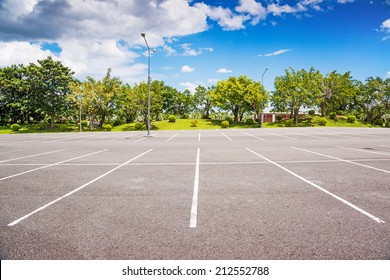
146,42
262,99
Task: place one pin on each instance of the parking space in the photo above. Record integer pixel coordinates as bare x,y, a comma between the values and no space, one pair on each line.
202,194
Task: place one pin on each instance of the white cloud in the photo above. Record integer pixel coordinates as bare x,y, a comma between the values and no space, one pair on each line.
187,69
224,16
253,8
224,70
388,74
21,53
385,27
345,1
190,86
279,52
213,81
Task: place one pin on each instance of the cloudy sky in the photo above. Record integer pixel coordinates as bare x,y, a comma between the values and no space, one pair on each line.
199,42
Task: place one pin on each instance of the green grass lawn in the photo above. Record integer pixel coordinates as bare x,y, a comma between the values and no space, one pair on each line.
182,124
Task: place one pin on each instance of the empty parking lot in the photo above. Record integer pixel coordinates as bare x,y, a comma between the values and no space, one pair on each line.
299,193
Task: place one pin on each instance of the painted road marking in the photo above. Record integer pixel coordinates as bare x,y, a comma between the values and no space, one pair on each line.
199,137
194,206
36,155
226,136
364,151
376,219
343,160
254,136
49,165
74,191
172,137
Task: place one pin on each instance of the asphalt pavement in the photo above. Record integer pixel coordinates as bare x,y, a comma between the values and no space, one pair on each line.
280,194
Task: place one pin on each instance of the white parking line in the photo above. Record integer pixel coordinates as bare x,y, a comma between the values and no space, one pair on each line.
74,191
172,137
364,151
342,160
376,219
226,136
199,137
194,206
36,155
280,135
49,165
254,136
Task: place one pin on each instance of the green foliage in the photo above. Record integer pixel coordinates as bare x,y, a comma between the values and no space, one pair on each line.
332,115
194,123
339,112
107,127
279,118
379,122
351,119
289,123
250,121
322,121
225,124
139,126
172,118
185,116
311,112
15,127
229,120
84,123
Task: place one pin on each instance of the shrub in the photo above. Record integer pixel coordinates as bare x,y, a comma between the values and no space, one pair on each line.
185,116
229,120
378,122
311,112
172,118
84,123
279,118
351,119
15,127
194,123
250,121
289,123
321,121
107,127
139,126
339,112
332,115
63,128
225,124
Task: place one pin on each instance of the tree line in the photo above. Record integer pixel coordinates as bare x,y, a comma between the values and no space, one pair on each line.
49,92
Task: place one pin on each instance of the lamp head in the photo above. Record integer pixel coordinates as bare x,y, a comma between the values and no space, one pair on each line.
143,35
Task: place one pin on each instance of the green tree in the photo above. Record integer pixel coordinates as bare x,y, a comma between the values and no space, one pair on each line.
294,90
202,100
49,84
257,97
230,95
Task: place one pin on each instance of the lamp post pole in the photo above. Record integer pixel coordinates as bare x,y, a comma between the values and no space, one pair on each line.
262,99
148,124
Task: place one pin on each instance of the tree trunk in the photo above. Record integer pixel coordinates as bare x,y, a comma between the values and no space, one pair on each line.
296,111
52,120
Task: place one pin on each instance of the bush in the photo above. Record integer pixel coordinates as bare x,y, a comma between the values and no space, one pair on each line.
139,126
378,122
185,116
194,123
279,118
172,118
250,122
63,128
351,119
229,120
339,112
311,112
225,124
289,123
15,127
321,121
107,127
84,123
332,115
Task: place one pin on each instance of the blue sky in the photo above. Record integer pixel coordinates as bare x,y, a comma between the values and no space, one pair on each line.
199,42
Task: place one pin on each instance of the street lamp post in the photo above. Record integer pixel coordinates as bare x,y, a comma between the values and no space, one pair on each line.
262,99
148,124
